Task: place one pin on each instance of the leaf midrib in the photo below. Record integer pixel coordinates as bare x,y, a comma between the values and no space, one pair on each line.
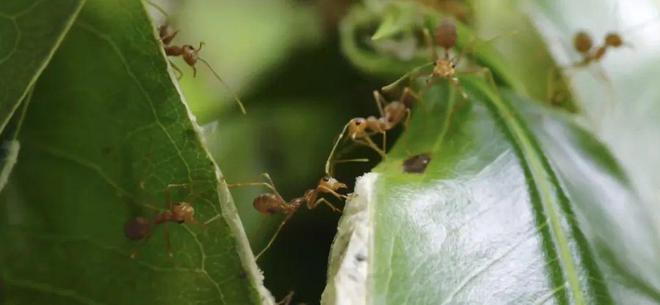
536,167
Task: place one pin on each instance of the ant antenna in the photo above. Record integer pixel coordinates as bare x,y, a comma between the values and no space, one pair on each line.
328,167
329,163
236,98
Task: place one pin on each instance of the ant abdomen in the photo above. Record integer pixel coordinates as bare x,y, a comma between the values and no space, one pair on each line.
445,35
137,228
268,204
167,34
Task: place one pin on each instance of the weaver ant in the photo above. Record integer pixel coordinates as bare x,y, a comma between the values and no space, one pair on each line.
189,54
392,113
141,228
273,203
444,67
583,43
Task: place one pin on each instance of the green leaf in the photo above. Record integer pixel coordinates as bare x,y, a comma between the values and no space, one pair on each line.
10,144
30,32
517,206
105,134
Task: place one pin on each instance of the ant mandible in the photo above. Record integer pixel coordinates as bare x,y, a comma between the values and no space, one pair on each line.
273,203
141,229
189,54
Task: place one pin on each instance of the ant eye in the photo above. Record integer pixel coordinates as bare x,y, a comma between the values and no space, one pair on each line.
326,179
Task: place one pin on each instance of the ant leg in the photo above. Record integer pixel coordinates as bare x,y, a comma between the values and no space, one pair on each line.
431,45
286,300
408,76
407,121
168,242
457,84
277,232
333,193
326,202
178,73
384,139
380,102
369,143
201,44
270,185
194,71
351,160
158,8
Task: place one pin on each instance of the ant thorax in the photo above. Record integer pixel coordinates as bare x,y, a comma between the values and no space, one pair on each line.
444,67
376,124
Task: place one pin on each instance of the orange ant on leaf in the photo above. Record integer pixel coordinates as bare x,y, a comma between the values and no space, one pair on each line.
444,67
141,228
392,113
189,54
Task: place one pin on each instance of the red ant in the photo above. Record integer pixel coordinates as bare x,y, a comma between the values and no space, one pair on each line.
444,67
273,203
189,54
583,43
141,229
360,130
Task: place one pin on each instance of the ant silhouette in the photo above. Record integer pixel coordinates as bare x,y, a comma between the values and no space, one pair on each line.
189,54
141,228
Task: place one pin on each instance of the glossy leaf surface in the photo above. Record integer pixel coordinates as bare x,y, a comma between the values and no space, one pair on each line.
517,206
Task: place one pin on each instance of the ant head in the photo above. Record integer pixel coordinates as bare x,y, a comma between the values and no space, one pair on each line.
582,42
183,212
357,127
137,228
331,183
444,68
268,204
613,40
445,35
